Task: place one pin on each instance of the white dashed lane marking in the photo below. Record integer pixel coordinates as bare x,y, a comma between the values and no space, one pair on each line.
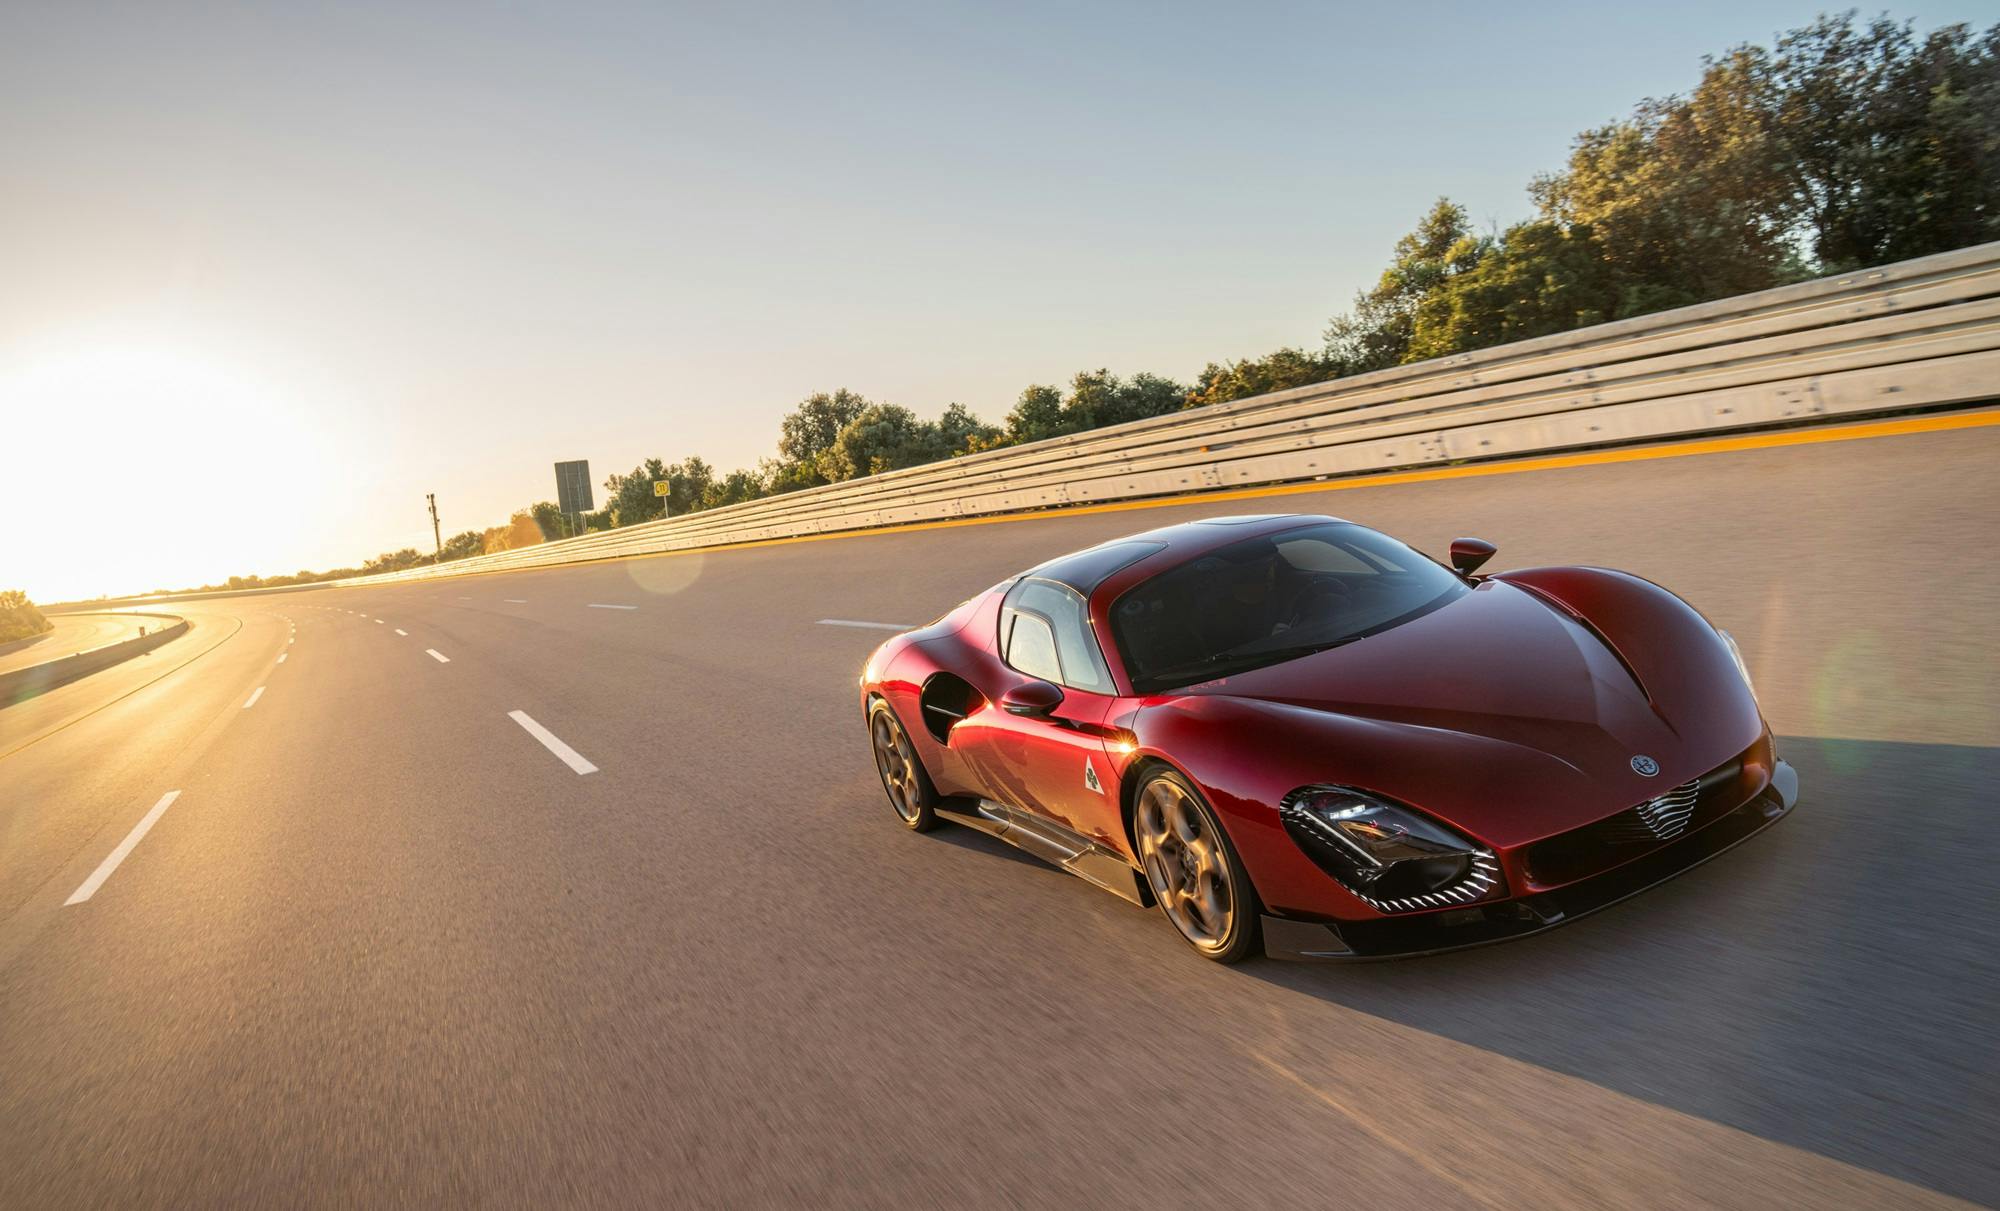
438,656
97,877
402,632
595,605
873,626
569,756
254,696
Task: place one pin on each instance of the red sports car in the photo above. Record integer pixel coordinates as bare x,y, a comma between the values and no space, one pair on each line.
1299,732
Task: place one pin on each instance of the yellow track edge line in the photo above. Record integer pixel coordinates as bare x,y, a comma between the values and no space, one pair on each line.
1859,431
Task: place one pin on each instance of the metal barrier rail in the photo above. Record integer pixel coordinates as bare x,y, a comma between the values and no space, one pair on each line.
1919,333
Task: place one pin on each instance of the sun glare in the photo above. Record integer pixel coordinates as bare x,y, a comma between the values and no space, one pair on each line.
142,465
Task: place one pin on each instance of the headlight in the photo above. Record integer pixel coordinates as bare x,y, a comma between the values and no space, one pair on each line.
1736,654
1388,855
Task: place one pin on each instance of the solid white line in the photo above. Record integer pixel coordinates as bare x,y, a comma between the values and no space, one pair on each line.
597,606
875,626
254,696
402,632
281,657
104,868
570,756
438,656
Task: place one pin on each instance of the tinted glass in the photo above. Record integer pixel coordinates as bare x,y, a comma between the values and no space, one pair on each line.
1085,570
1031,647
1264,600
1081,664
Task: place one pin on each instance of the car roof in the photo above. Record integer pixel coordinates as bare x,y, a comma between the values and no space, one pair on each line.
1121,562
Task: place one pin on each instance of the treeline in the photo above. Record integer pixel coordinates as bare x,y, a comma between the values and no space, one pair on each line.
1841,146
18,616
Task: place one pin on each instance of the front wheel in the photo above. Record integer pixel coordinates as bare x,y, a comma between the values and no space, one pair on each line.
1193,870
903,777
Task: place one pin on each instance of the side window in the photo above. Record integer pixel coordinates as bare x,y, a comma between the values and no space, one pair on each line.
1031,647
1046,633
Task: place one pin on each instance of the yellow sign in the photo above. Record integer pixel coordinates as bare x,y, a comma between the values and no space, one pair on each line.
659,487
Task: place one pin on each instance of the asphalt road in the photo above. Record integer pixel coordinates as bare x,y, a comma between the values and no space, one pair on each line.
79,633
386,946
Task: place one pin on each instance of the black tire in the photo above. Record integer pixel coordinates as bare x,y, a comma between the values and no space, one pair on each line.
903,777
1195,875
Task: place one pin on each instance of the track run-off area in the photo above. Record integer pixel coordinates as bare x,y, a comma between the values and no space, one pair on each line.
577,886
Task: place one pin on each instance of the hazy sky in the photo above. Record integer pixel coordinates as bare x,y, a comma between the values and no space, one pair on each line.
270,273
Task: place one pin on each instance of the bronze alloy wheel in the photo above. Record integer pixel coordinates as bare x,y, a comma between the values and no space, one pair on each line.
1194,873
902,773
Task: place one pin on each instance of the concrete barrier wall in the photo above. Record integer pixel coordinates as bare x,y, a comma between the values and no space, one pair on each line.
22,684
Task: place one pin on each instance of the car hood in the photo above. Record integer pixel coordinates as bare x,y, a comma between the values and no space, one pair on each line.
1503,712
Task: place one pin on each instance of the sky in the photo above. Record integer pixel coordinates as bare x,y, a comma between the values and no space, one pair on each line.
269,274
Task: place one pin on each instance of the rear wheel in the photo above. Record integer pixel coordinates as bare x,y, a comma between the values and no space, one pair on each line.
903,777
1193,870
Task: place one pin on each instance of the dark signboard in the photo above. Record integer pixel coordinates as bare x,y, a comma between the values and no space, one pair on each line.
573,487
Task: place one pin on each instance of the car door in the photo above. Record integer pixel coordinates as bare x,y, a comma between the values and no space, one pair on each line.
1056,763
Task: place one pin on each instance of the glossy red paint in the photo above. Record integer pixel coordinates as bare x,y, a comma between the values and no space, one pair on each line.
1513,714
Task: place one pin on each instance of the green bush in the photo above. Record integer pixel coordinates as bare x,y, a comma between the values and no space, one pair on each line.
18,616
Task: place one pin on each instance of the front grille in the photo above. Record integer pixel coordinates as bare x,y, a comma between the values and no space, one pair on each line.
1660,819
1597,847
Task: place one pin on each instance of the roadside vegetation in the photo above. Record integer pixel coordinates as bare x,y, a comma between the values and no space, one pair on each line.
1845,144
19,619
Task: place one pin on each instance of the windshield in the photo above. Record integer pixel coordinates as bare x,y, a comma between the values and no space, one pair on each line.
1268,599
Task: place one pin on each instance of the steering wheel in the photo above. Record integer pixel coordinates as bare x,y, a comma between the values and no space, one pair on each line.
1318,600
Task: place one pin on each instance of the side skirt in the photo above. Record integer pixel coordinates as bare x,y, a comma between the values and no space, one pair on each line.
1052,843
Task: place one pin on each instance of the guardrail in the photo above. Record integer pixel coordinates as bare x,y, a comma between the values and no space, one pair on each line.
1920,333
1923,333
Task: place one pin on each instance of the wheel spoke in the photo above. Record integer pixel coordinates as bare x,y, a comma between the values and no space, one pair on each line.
1184,862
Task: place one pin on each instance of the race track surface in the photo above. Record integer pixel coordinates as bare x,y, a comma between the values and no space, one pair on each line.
388,946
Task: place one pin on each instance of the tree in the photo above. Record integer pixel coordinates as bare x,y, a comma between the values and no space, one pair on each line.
549,520
881,438
1096,398
733,489
460,546
18,616
1689,198
887,437
1036,415
808,432
1280,371
1538,278
631,498
688,483
1893,144
960,432
1376,334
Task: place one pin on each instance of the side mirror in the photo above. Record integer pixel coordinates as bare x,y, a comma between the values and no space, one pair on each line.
1031,699
1469,554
